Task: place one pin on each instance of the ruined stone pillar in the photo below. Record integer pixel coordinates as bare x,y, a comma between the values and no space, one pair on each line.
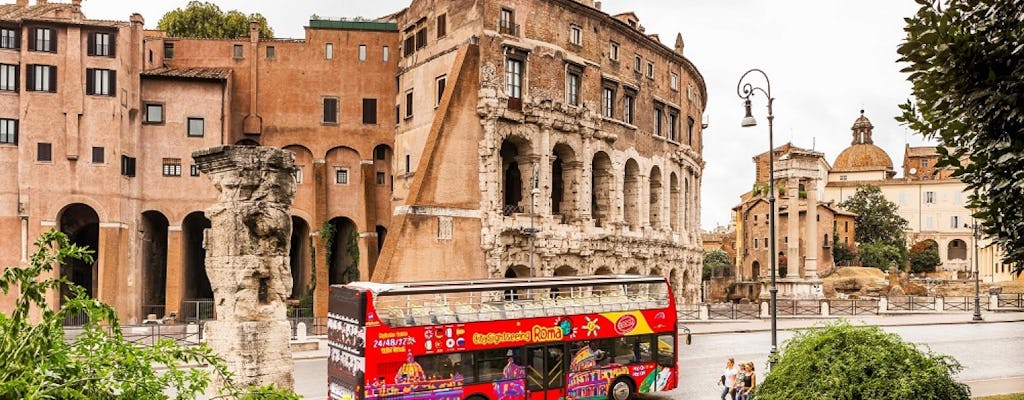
247,260
811,262
792,227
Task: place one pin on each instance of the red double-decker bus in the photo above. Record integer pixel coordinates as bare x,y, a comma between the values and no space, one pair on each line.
545,338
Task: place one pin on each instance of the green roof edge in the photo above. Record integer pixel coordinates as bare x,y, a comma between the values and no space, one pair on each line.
356,25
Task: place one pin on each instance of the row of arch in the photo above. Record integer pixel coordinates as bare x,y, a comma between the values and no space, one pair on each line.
566,176
81,224
521,271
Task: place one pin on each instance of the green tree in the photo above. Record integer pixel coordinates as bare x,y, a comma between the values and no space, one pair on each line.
881,255
965,61
38,362
841,361
716,263
843,254
206,21
877,220
924,256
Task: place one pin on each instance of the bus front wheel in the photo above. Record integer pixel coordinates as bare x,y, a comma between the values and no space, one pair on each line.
621,389
476,397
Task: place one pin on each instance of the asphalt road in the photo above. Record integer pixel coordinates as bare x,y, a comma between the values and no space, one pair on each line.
992,355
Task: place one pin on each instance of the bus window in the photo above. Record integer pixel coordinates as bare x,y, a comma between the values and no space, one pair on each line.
644,349
495,365
633,349
666,351
590,353
444,366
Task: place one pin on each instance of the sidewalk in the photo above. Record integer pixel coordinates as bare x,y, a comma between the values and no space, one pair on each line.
791,323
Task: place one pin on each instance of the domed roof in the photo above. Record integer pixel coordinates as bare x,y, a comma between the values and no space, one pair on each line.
862,155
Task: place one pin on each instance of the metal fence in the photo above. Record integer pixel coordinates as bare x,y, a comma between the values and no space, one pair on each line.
154,309
76,319
1010,300
197,310
150,334
734,311
853,307
911,303
689,311
798,307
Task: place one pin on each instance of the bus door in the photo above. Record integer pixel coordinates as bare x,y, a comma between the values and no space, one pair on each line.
545,372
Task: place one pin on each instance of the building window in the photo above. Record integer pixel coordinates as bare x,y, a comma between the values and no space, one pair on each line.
442,25
690,122
755,243
608,101
239,52
573,80
409,45
440,83
650,69
929,197
954,222
381,178
637,62
172,167
659,112
41,78
127,166
387,53
100,82
575,35
380,153
196,127
341,176
408,104
298,174
8,131
193,170
330,110
514,78
674,81
97,155
9,38
362,52
329,51
673,123
9,77
154,113
613,52
398,114
421,38
271,52
842,177
507,21
369,111
44,152
42,39
924,163
168,50
101,44
408,164
629,107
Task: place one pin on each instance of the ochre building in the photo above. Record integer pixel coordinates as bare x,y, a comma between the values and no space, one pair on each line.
460,139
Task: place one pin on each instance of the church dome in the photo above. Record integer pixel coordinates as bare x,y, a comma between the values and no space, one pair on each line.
863,155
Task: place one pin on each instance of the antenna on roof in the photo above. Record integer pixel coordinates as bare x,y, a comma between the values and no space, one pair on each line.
814,142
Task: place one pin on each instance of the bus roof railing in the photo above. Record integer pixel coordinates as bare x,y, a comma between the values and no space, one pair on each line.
435,287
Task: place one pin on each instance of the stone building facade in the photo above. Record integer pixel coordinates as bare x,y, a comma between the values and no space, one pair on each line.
544,138
99,118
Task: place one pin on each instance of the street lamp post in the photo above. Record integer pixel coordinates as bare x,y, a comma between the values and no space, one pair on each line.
745,91
977,273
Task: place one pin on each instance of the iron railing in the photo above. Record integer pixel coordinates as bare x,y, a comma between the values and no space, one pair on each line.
911,303
76,319
1010,300
853,307
689,311
734,311
798,307
198,310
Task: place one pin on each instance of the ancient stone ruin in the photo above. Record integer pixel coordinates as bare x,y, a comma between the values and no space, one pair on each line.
247,260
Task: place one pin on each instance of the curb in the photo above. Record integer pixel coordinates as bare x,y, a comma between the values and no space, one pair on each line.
905,323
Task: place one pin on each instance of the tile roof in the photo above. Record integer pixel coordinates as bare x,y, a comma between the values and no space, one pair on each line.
189,73
922,151
58,13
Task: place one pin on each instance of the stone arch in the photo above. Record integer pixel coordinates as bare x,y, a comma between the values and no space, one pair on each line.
516,271
654,214
299,258
341,267
196,284
673,202
81,224
516,174
565,175
565,270
153,259
603,270
601,188
631,194
956,249
659,289
247,142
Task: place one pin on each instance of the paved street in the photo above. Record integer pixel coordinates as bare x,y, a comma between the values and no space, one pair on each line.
991,353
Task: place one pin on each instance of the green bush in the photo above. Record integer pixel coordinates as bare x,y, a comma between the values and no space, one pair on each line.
924,257
36,362
841,361
880,255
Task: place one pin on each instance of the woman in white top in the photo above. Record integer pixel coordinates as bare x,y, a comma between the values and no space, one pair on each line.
729,375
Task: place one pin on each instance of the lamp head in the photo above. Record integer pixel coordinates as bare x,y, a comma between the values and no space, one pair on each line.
748,120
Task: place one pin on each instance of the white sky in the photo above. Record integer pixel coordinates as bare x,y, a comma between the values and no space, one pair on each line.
827,59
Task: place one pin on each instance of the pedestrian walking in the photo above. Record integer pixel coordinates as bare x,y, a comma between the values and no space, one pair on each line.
728,379
746,384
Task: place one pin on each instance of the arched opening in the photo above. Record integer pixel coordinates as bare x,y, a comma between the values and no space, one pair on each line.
956,250
382,233
516,271
755,271
154,263
341,266
654,213
247,142
601,188
383,177
564,270
564,168
631,194
673,202
603,289
299,258
81,224
515,177
824,241
196,283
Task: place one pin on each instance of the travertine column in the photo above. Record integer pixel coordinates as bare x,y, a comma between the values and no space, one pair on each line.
793,227
811,262
247,260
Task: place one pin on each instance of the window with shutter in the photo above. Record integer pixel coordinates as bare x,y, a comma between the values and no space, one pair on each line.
98,155
369,111
44,152
8,131
127,166
330,110
9,38
9,77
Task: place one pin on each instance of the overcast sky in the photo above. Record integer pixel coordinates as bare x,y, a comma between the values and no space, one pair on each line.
827,59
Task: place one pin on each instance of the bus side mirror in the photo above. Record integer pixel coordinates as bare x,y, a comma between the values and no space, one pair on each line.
689,338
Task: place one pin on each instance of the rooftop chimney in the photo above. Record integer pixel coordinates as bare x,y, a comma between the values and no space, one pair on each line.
679,43
22,3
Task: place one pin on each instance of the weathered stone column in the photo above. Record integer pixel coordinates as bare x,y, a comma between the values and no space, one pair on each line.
247,260
793,227
811,262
